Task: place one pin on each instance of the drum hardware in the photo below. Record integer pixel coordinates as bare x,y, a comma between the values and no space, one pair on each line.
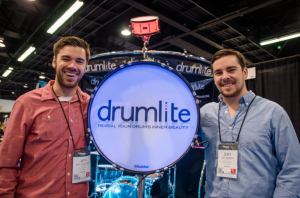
132,143
172,186
123,187
108,175
143,28
150,179
201,178
96,173
200,145
141,186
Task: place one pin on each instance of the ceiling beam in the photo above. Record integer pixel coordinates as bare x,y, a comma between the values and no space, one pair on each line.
203,26
36,29
22,68
55,35
239,14
191,48
9,20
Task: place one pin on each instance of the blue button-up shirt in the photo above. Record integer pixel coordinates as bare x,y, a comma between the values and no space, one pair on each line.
268,150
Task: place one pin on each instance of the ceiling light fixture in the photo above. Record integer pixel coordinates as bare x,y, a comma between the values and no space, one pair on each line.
283,38
65,16
42,77
27,53
126,32
7,72
25,86
1,42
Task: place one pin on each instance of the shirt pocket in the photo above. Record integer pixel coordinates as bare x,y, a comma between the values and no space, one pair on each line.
255,140
51,127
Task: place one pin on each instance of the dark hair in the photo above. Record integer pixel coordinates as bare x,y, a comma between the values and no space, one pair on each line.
227,52
73,41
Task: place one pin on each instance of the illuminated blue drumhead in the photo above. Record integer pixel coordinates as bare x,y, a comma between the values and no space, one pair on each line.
121,190
143,117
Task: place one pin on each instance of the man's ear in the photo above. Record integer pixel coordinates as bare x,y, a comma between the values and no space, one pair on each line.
245,73
53,62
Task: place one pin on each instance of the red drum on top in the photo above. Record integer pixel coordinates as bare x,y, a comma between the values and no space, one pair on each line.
146,25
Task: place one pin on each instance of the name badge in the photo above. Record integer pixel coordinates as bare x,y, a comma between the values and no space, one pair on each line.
227,161
81,167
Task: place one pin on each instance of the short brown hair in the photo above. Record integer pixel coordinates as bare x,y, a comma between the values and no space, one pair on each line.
227,52
73,41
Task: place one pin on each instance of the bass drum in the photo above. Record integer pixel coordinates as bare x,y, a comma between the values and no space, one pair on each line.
143,117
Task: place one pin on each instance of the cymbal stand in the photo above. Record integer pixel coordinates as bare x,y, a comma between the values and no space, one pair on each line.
96,179
169,183
201,179
172,186
145,39
141,186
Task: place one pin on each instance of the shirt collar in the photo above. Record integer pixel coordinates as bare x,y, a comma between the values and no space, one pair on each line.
47,93
245,99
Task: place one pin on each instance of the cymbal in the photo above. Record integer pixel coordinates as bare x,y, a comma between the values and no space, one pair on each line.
107,167
94,153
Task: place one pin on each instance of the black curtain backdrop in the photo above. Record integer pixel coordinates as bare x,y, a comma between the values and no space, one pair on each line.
278,81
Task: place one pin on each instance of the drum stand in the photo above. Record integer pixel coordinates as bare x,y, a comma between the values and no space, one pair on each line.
144,50
141,186
96,180
201,179
172,187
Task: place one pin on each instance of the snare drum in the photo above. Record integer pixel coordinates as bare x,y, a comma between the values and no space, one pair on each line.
153,177
146,25
143,117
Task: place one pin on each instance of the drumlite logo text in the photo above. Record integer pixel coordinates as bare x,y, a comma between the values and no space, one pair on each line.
109,113
141,166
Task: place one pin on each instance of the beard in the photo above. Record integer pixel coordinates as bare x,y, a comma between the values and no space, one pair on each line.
235,93
64,83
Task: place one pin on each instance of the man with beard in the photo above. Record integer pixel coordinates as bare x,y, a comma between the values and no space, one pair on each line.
47,131
254,150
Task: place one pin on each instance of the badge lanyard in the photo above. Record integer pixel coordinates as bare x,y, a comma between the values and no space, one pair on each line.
81,160
241,125
68,121
228,153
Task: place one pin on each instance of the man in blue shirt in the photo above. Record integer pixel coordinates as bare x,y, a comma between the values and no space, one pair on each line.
254,150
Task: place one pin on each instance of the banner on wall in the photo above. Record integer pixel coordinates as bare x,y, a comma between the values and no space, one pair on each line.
181,66
199,85
89,83
204,90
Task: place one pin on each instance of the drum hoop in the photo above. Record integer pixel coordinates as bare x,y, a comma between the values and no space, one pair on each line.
130,65
110,168
150,52
156,19
126,177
